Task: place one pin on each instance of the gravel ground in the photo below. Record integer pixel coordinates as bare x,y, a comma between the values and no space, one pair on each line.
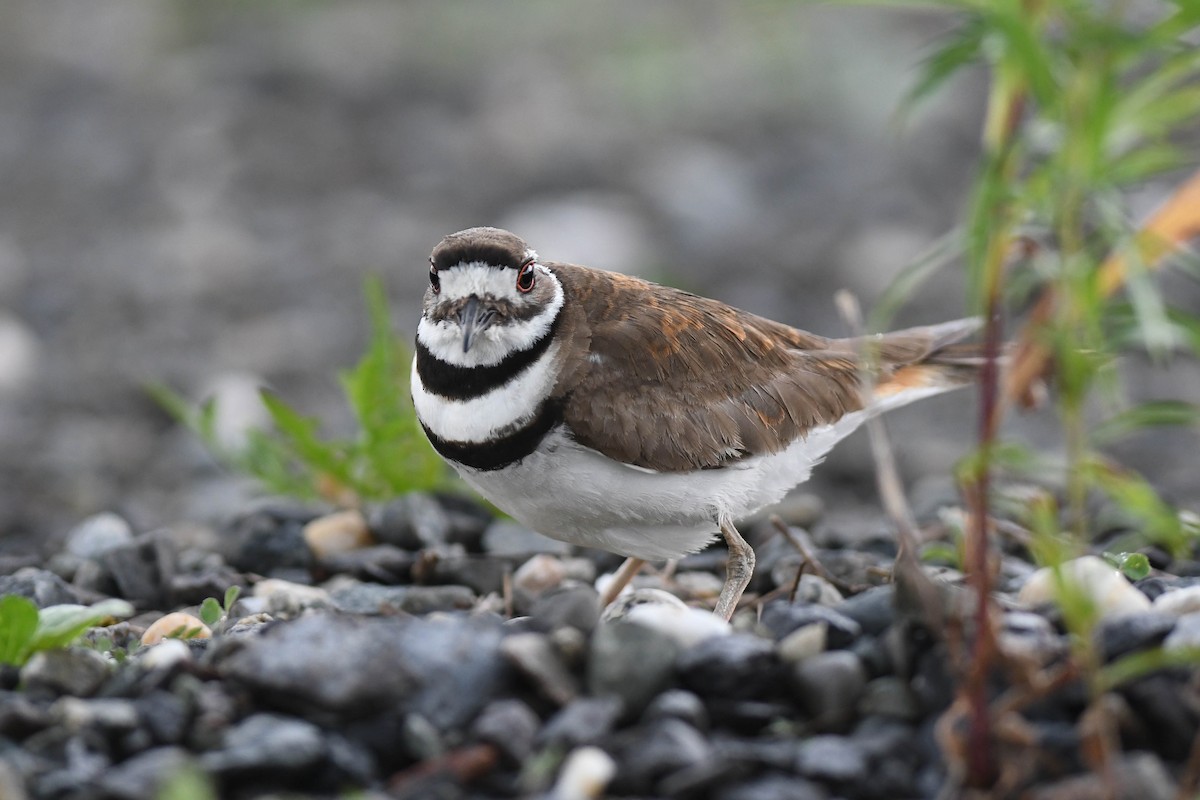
427,650
192,193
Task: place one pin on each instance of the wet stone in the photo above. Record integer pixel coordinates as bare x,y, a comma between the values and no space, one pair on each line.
41,586
631,661
413,522
584,721
657,750
373,599
838,759
267,743
739,667
510,725
97,535
1122,635
69,671
874,609
446,668
782,618
828,686
678,704
775,786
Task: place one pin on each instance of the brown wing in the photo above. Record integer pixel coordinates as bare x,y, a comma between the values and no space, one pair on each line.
670,381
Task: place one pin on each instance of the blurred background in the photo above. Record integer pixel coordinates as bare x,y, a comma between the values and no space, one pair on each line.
192,192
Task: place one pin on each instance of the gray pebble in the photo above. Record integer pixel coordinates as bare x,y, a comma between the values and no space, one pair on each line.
660,749
874,609
41,586
415,521
267,742
536,657
1129,633
773,787
740,666
98,534
71,671
375,600
890,697
577,607
831,758
782,618
510,725
828,686
631,661
678,704
142,776
1185,633
583,722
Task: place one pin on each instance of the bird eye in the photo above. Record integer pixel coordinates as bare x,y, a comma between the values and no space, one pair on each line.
434,281
525,277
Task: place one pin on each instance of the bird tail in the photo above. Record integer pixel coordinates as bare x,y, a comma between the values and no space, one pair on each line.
918,362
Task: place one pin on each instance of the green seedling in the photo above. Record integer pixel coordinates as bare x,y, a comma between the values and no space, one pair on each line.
24,630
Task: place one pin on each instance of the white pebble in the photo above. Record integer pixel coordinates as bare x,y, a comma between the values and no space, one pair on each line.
167,653
804,642
539,573
584,775
1179,601
98,534
667,614
1111,592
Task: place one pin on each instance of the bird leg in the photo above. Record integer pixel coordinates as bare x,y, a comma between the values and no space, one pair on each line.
738,569
621,579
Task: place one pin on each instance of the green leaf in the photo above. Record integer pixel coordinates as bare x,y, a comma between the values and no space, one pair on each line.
958,50
1138,665
1134,566
210,611
18,622
60,625
1155,413
231,597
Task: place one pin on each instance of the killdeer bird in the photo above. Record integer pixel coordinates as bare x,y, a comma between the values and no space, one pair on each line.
612,412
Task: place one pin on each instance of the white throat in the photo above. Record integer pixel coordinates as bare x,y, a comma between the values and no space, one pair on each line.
444,338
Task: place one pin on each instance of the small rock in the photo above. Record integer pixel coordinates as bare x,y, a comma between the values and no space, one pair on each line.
739,667
585,775
698,586
287,599
166,654
1030,636
538,660
632,661
815,590
484,574
666,614
142,570
890,697
584,721
271,539
1108,589
445,668
267,743
337,533
830,758
577,607
415,521
1185,633
1138,776
1178,602
381,563
510,725
678,704
112,715
538,574
177,625
69,671
773,786
874,609
504,538
143,775
166,716
44,588
804,642
1118,636
98,534
782,618
828,686
373,599
665,747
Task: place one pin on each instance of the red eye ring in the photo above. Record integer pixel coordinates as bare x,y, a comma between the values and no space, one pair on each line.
525,277
435,282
